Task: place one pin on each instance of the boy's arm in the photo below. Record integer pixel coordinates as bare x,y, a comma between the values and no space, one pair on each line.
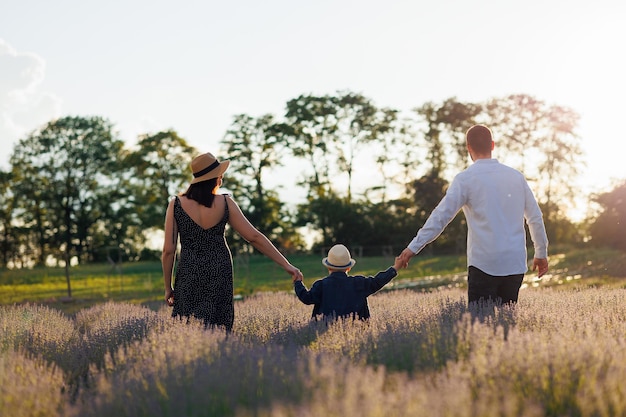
308,297
383,277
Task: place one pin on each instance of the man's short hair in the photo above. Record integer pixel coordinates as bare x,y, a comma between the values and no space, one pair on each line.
479,138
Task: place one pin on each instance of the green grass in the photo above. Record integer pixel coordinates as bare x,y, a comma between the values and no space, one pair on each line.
142,282
90,285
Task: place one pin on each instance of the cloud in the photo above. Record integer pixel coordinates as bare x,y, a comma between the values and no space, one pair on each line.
21,72
23,105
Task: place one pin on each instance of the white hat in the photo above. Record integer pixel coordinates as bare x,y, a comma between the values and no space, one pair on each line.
338,258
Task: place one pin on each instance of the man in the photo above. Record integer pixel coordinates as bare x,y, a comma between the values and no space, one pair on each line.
496,200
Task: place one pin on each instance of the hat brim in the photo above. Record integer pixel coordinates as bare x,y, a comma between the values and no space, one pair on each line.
329,265
214,173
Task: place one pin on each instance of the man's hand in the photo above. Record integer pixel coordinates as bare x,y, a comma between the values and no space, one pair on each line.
398,264
406,256
540,264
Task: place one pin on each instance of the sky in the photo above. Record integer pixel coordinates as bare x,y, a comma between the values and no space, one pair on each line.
150,65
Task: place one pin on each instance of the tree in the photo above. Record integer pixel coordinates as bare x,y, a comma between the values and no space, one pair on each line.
311,123
359,122
32,193
516,121
435,143
387,133
446,126
609,228
62,176
254,146
391,225
541,141
7,234
329,132
559,160
337,220
160,168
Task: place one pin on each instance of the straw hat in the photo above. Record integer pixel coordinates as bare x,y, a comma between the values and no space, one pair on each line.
206,166
338,258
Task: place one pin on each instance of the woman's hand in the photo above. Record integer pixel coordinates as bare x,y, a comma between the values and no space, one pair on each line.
169,297
294,272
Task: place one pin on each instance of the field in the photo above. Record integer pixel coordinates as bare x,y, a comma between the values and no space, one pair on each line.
560,352
142,282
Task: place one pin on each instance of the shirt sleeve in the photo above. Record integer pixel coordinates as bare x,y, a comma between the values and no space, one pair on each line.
536,227
440,217
308,297
381,279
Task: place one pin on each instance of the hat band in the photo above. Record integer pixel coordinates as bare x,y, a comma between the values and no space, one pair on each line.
207,169
338,266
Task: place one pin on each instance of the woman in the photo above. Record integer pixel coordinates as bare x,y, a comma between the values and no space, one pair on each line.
203,287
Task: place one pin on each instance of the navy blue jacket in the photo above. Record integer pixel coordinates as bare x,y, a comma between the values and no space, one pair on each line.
341,295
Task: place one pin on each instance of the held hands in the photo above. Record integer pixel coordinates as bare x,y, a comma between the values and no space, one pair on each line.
295,273
398,264
406,256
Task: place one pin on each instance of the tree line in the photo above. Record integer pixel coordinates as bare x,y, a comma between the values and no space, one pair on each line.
76,191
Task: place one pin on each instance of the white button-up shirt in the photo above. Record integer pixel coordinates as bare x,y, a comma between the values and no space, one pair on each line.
496,200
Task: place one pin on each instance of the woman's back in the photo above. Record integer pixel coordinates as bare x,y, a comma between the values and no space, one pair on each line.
203,216
203,286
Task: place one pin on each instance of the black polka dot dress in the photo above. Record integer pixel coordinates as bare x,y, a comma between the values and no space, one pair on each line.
203,284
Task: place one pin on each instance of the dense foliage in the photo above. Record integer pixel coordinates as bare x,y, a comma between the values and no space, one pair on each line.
421,354
609,228
75,192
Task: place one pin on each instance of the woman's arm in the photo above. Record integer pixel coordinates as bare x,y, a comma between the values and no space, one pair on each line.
240,223
170,241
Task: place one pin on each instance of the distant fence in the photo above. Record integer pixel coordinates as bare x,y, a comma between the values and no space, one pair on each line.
359,251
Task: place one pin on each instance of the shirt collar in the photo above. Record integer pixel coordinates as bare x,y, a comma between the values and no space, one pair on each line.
486,161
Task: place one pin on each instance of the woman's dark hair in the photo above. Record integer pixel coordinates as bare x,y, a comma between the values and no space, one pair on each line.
202,192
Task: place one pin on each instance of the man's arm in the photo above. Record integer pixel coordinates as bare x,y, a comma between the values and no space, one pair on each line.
538,235
438,220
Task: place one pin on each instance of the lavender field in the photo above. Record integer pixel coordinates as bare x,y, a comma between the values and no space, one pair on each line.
558,353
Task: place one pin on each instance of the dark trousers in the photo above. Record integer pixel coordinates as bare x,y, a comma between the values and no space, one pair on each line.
499,289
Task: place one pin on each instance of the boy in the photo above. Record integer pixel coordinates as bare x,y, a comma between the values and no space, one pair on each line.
339,294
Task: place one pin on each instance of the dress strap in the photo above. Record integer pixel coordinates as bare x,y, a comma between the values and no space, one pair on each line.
225,205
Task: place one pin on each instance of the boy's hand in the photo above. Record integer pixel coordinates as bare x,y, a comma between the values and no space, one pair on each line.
399,263
406,256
